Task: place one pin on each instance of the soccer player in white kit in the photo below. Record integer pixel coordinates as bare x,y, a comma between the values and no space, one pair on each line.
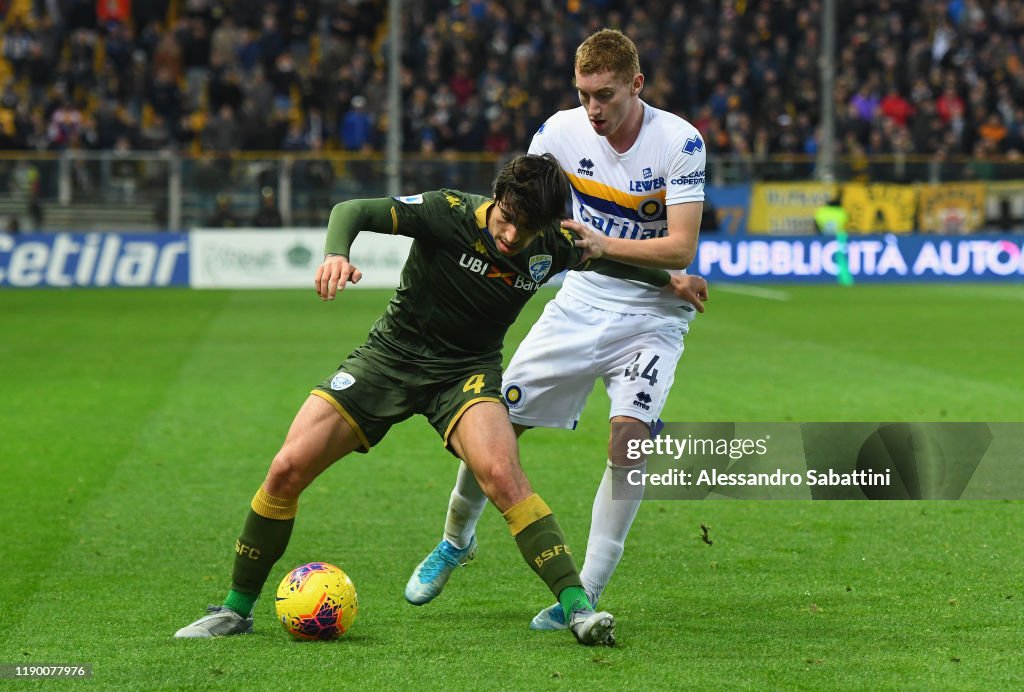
637,174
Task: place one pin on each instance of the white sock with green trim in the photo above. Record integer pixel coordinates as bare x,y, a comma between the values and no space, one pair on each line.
615,505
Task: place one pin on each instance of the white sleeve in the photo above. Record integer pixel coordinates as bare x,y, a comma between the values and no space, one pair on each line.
544,138
686,168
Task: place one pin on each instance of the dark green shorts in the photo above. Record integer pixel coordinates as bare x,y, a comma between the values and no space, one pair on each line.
373,391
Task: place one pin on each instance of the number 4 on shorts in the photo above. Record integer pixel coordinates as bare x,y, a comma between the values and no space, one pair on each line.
474,384
650,373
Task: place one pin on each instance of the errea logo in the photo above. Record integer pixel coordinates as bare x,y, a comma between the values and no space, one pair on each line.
586,167
693,145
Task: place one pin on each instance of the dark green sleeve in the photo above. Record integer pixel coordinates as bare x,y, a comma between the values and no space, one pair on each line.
348,219
655,277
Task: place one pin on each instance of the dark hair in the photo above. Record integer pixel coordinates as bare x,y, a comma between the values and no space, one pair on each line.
532,191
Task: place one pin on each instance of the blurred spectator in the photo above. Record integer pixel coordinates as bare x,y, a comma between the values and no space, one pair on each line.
1015,130
65,125
949,105
271,41
497,140
35,193
224,87
223,215
167,57
207,176
225,42
300,24
284,78
155,134
124,171
164,95
16,46
252,127
993,131
221,133
316,132
357,126
894,107
250,51
194,39
38,69
268,215
980,166
295,139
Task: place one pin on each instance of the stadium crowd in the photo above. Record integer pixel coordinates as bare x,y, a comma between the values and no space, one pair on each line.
936,77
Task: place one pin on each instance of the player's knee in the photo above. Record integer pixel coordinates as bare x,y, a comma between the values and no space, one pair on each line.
503,482
287,475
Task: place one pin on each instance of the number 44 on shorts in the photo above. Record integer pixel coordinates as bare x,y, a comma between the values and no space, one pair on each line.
649,373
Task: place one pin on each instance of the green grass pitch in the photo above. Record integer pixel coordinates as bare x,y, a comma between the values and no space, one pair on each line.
136,426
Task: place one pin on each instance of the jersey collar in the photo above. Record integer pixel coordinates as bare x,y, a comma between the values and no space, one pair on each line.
481,214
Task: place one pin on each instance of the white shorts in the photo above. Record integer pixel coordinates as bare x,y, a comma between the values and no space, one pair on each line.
573,344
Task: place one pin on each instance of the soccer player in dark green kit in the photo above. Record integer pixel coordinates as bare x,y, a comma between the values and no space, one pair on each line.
436,351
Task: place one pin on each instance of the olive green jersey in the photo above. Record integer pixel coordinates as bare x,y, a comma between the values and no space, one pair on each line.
458,295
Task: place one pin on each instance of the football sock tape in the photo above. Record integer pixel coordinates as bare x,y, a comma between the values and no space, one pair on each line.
527,511
542,544
266,505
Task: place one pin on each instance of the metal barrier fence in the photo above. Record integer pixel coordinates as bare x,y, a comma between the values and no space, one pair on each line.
84,190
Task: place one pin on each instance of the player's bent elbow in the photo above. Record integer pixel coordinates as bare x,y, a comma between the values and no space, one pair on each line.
680,257
680,251
340,207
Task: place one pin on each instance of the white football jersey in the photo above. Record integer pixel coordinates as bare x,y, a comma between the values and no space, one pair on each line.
625,195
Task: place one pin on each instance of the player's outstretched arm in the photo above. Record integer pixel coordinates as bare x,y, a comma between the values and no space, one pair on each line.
673,251
591,246
347,220
691,288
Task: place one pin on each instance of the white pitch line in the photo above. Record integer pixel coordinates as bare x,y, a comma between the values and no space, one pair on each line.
755,291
